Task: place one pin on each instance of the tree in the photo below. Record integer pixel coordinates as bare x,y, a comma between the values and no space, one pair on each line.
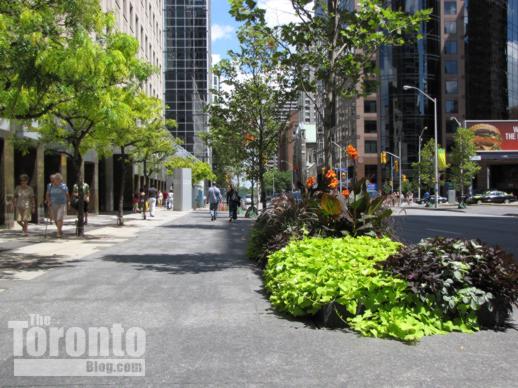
200,170
144,135
426,169
31,32
251,114
333,44
463,169
278,181
96,75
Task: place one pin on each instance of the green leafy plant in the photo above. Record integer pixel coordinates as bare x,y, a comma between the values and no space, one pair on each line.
459,276
284,220
309,274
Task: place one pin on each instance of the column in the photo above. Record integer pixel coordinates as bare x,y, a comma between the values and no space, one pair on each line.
38,181
8,182
109,184
95,208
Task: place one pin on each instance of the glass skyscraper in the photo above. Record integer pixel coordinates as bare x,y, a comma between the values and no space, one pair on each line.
187,70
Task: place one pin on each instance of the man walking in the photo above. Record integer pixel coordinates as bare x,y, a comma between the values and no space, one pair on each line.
152,195
214,200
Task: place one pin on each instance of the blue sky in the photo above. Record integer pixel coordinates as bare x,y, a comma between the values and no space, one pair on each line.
223,29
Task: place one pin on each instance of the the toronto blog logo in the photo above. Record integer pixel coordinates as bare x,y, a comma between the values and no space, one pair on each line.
41,348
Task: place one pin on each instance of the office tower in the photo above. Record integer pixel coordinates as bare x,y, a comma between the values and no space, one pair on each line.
143,19
187,75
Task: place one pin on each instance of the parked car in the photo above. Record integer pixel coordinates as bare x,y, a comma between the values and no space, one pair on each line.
498,197
476,198
432,199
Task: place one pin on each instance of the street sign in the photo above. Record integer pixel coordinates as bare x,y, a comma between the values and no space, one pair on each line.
372,187
476,158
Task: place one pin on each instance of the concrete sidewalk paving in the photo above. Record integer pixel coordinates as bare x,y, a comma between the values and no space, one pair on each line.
24,258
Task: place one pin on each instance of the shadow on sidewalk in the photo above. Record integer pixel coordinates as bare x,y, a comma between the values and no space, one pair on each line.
181,263
22,262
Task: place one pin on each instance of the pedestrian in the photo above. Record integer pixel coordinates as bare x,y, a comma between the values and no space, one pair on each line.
170,198
426,199
86,199
165,194
214,200
410,198
134,202
58,198
160,199
152,195
24,203
233,202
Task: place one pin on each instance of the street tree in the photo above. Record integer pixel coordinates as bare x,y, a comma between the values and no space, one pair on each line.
31,32
278,181
425,169
332,46
251,110
132,140
463,169
200,170
95,75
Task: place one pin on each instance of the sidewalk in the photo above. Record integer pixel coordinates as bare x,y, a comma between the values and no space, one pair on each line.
24,258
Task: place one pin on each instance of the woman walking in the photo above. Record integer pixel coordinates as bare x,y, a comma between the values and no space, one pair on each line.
233,201
57,199
24,203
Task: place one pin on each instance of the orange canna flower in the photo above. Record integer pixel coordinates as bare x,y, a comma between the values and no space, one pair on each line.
330,174
352,152
310,182
345,193
334,183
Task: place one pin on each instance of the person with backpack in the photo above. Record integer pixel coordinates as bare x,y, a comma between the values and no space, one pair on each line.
233,202
214,200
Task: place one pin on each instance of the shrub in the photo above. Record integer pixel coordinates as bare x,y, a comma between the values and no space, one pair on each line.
284,220
459,276
308,274
321,213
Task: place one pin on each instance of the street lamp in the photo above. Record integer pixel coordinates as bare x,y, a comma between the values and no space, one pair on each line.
419,160
340,161
436,158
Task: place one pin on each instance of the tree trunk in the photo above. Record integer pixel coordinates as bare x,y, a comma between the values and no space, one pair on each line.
261,183
122,184
252,192
329,124
77,162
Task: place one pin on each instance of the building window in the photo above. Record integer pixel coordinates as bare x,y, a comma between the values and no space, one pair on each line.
450,8
131,16
370,126
369,106
450,67
452,106
371,147
450,47
452,87
450,27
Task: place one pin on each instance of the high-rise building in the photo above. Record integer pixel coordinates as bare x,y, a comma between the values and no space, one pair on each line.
144,20
187,70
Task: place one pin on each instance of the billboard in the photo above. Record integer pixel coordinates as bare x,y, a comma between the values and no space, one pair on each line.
495,135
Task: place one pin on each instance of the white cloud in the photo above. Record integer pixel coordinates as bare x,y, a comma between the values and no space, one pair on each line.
280,12
219,31
215,58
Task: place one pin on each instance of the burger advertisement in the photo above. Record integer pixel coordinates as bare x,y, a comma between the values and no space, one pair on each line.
495,135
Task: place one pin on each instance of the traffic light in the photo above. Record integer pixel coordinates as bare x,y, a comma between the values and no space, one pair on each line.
383,157
396,165
404,178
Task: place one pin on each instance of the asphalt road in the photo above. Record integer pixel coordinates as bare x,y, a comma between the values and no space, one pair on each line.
189,285
501,230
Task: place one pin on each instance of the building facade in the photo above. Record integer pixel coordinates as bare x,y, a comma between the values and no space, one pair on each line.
187,71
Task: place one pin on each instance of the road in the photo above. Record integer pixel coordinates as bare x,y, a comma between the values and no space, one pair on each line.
496,225
189,286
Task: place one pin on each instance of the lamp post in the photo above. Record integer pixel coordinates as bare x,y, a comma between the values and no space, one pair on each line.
340,161
419,162
436,158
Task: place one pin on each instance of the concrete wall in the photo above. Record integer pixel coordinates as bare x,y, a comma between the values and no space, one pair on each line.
182,189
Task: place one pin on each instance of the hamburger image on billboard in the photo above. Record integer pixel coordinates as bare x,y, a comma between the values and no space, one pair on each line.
487,137
495,135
